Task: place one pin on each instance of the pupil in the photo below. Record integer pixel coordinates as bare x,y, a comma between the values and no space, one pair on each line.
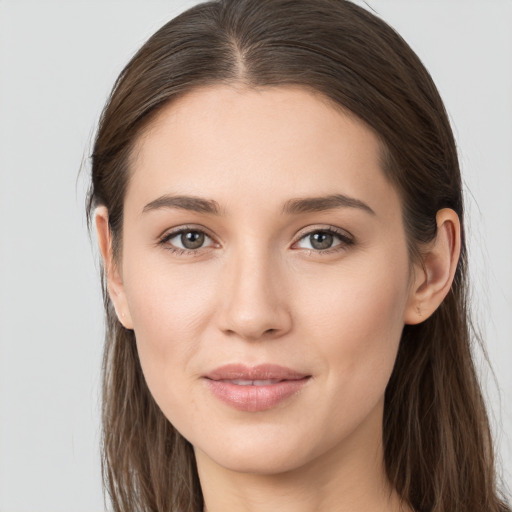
321,240
192,239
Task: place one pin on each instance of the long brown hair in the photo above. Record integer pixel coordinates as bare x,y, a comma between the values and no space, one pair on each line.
438,447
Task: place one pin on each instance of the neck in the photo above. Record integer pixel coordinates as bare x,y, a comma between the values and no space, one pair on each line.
348,478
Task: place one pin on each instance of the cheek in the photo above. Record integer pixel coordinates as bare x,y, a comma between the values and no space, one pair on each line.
357,323
170,308
168,302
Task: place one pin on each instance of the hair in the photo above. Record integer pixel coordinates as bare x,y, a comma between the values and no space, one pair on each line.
437,444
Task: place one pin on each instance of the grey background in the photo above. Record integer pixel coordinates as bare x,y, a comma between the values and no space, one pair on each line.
58,60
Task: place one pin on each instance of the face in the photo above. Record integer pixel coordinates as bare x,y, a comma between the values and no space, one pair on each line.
265,273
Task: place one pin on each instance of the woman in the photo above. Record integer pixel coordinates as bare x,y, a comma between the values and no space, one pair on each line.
278,206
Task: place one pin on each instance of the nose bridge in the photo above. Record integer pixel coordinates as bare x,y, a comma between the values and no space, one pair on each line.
254,304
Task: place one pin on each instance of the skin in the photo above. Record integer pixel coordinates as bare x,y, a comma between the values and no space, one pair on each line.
258,291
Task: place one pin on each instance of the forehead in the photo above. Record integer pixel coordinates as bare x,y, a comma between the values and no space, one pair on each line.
226,141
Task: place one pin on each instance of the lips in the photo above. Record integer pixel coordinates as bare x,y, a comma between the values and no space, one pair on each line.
257,388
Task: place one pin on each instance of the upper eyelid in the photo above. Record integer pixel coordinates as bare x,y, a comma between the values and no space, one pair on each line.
172,232
330,229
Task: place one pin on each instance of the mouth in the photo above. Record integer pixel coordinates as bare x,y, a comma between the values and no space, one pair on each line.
254,389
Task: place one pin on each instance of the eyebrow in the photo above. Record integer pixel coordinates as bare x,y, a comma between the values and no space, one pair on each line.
319,204
292,206
191,203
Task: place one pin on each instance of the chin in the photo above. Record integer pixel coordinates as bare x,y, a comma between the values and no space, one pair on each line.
263,462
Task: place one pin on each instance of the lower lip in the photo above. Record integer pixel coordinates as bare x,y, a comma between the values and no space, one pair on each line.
255,398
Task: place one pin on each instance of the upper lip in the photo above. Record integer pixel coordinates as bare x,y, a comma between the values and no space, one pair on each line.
259,372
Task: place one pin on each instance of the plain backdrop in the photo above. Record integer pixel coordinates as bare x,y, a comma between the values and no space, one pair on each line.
58,61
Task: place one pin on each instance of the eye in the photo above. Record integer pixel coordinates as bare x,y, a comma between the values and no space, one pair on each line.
186,239
323,240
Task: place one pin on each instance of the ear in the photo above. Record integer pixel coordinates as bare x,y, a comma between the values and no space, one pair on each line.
434,274
113,276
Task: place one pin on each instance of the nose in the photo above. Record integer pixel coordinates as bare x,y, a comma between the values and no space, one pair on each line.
254,302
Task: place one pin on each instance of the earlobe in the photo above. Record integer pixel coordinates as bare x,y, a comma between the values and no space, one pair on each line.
434,277
113,277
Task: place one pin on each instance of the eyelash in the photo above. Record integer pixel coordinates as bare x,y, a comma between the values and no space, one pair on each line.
345,239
